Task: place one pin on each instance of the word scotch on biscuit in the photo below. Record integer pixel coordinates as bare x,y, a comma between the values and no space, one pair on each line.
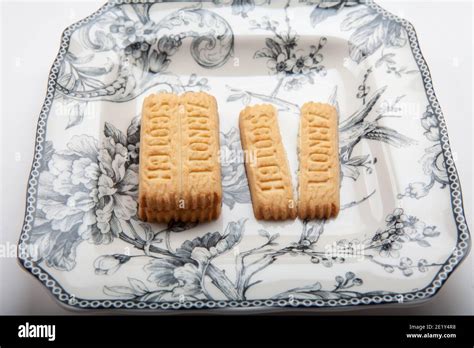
269,177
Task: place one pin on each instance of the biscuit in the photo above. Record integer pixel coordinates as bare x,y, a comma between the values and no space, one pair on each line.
179,171
201,175
269,176
159,146
318,190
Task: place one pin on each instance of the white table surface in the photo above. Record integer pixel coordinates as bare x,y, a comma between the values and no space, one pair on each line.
30,33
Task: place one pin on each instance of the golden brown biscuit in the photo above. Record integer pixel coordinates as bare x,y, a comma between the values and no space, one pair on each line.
318,189
159,149
187,215
201,174
179,173
269,177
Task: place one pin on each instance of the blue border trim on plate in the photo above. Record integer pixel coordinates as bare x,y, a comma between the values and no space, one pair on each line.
459,253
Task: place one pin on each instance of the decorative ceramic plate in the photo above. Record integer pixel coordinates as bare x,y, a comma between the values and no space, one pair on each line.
401,231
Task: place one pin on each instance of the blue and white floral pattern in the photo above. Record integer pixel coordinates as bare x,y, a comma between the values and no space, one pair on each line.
81,236
432,160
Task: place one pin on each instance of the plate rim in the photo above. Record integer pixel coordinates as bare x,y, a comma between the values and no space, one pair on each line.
55,288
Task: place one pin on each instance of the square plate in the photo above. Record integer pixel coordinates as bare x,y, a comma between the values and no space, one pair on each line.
401,230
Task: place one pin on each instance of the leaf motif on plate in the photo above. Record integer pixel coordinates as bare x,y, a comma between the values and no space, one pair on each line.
111,131
75,112
325,9
370,31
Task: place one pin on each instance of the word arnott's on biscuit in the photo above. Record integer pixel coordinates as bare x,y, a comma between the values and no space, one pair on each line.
318,193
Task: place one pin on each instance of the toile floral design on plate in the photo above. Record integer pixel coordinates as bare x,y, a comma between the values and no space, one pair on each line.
432,160
81,236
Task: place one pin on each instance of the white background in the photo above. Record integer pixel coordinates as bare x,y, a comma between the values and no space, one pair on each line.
30,34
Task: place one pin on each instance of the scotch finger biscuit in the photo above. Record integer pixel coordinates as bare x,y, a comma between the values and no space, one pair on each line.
159,149
179,172
318,190
268,174
201,175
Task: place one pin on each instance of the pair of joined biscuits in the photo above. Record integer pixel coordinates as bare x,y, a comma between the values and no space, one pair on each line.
269,174
179,173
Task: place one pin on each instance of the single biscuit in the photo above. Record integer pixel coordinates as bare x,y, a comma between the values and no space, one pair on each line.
201,174
159,148
269,176
318,189
179,172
